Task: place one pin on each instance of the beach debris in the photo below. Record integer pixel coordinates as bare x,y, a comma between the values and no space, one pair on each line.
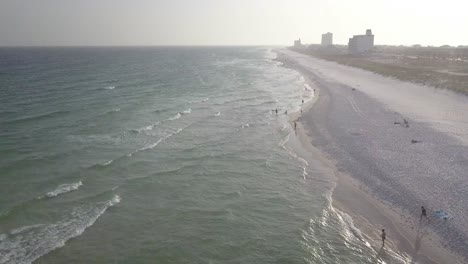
413,141
353,89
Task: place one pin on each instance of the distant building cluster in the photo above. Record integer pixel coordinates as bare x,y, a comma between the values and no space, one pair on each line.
358,44
297,43
327,39
361,43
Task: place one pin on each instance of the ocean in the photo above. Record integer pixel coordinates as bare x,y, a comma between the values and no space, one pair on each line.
162,155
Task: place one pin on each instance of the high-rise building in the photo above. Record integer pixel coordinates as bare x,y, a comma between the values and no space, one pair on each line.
361,43
297,43
327,39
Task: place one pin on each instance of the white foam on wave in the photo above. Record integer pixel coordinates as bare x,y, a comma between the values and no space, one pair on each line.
24,228
186,112
146,128
217,114
244,126
64,188
110,88
112,111
26,244
304,162
107,163
336,223
174,117
206,99
153,145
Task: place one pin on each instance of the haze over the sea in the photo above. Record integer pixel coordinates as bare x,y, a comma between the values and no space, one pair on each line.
242,22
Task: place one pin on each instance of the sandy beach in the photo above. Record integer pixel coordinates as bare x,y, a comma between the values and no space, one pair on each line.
392,146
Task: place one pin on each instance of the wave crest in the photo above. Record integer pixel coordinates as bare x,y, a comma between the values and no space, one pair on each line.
174,117
28,243
64,188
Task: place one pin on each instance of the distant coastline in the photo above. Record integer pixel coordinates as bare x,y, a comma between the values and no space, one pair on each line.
437,67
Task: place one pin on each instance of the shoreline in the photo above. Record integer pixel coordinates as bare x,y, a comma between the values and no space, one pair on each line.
419,244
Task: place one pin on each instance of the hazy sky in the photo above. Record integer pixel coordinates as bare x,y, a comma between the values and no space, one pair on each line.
223,22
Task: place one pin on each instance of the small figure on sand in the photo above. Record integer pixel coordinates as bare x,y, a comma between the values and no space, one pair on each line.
384,236
423,214
405,123
276,110
302,101
295,125
301,110
286,112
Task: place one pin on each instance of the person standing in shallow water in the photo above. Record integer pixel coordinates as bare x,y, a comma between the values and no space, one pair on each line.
384,236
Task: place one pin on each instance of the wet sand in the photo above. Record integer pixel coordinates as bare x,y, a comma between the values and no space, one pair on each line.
346,140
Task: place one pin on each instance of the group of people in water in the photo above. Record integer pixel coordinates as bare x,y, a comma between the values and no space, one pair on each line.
286,112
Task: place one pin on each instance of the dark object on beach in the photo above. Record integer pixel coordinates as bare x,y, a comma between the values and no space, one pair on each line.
353,89
415,141
286,112
423,214
276,111
384,236
295,125
302,101
403,124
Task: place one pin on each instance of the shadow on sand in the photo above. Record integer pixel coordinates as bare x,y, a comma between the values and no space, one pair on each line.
417,244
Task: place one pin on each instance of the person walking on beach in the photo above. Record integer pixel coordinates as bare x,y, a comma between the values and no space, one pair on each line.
302,101
295,125
384,236
423,214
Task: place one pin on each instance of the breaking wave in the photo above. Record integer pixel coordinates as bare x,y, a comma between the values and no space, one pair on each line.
174,117
28,243
304,163
64,188
146,128
107,163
